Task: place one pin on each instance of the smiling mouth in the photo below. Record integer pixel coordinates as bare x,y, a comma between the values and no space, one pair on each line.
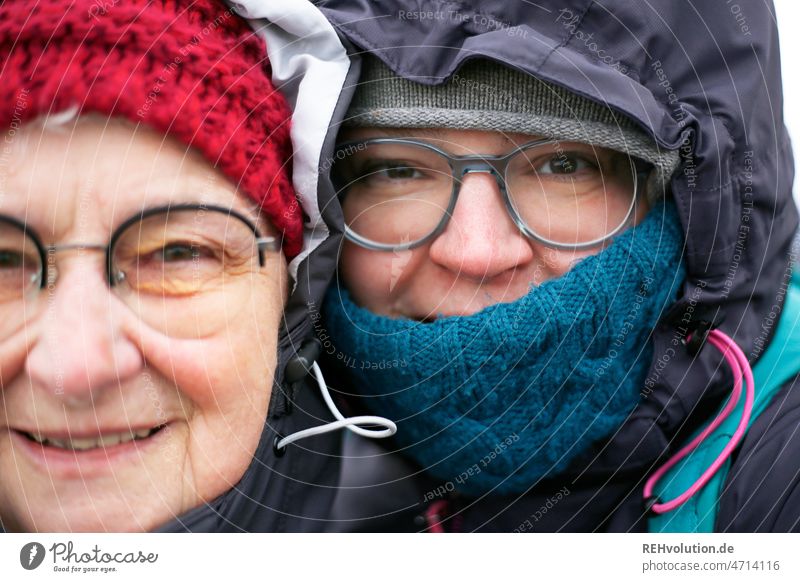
88,444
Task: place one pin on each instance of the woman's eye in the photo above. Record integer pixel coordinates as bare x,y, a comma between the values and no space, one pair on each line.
178,253
564,164
10,259
392,171
173,253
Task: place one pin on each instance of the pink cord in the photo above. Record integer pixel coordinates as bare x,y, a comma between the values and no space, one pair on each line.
434,515
740,367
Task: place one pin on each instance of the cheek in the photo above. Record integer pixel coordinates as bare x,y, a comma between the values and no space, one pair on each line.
557,262
642,208
365,274
229,380
232,372
229,407
382,280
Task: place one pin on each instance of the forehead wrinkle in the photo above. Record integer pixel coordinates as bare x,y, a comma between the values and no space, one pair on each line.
53,198
154,191
48,208
91,194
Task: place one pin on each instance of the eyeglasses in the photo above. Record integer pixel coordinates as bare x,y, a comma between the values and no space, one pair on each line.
398,194
184,269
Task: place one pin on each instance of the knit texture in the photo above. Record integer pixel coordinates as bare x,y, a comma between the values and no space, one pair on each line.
190,69
497,400
486,95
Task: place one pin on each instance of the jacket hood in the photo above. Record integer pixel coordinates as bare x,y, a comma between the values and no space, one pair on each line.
700,80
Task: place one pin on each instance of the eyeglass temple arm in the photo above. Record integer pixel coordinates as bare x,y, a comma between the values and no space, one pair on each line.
268,243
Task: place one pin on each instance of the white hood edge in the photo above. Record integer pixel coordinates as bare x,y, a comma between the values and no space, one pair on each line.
309,66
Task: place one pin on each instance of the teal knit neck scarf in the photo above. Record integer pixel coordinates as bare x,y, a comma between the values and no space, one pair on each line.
497,400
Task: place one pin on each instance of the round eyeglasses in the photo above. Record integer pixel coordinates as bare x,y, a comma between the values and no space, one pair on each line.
184,269
398,194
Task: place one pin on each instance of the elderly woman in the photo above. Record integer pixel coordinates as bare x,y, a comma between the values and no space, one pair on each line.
556,224
146,220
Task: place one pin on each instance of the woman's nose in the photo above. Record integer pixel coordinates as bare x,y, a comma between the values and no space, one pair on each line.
81,347
480,240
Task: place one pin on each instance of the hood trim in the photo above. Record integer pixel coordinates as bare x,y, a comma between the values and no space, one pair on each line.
309,66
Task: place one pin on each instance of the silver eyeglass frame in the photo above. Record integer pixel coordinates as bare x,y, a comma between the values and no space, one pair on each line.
45,252
496,166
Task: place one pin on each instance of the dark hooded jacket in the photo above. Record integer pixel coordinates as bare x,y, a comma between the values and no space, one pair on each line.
700,78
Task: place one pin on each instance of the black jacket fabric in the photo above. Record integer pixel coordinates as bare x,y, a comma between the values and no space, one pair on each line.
700,79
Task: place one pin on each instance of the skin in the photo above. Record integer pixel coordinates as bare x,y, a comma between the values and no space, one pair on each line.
481,258
85,364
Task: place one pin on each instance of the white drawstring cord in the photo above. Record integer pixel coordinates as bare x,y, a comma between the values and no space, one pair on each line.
351,423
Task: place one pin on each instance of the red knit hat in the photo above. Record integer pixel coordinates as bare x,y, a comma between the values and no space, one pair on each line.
192,69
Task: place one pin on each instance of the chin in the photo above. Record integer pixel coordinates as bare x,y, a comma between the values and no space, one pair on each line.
112,510
134,495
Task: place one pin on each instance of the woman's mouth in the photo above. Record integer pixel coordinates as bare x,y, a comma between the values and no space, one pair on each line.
70,456
86,444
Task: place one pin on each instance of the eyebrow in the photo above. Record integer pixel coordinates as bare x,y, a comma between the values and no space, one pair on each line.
251,210
186,192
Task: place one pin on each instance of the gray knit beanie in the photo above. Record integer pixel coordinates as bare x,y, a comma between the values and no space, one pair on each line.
486,95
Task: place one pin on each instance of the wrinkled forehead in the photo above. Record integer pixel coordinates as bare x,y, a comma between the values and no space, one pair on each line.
66,173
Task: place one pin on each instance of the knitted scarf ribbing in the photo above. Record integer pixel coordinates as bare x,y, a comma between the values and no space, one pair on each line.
497,400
